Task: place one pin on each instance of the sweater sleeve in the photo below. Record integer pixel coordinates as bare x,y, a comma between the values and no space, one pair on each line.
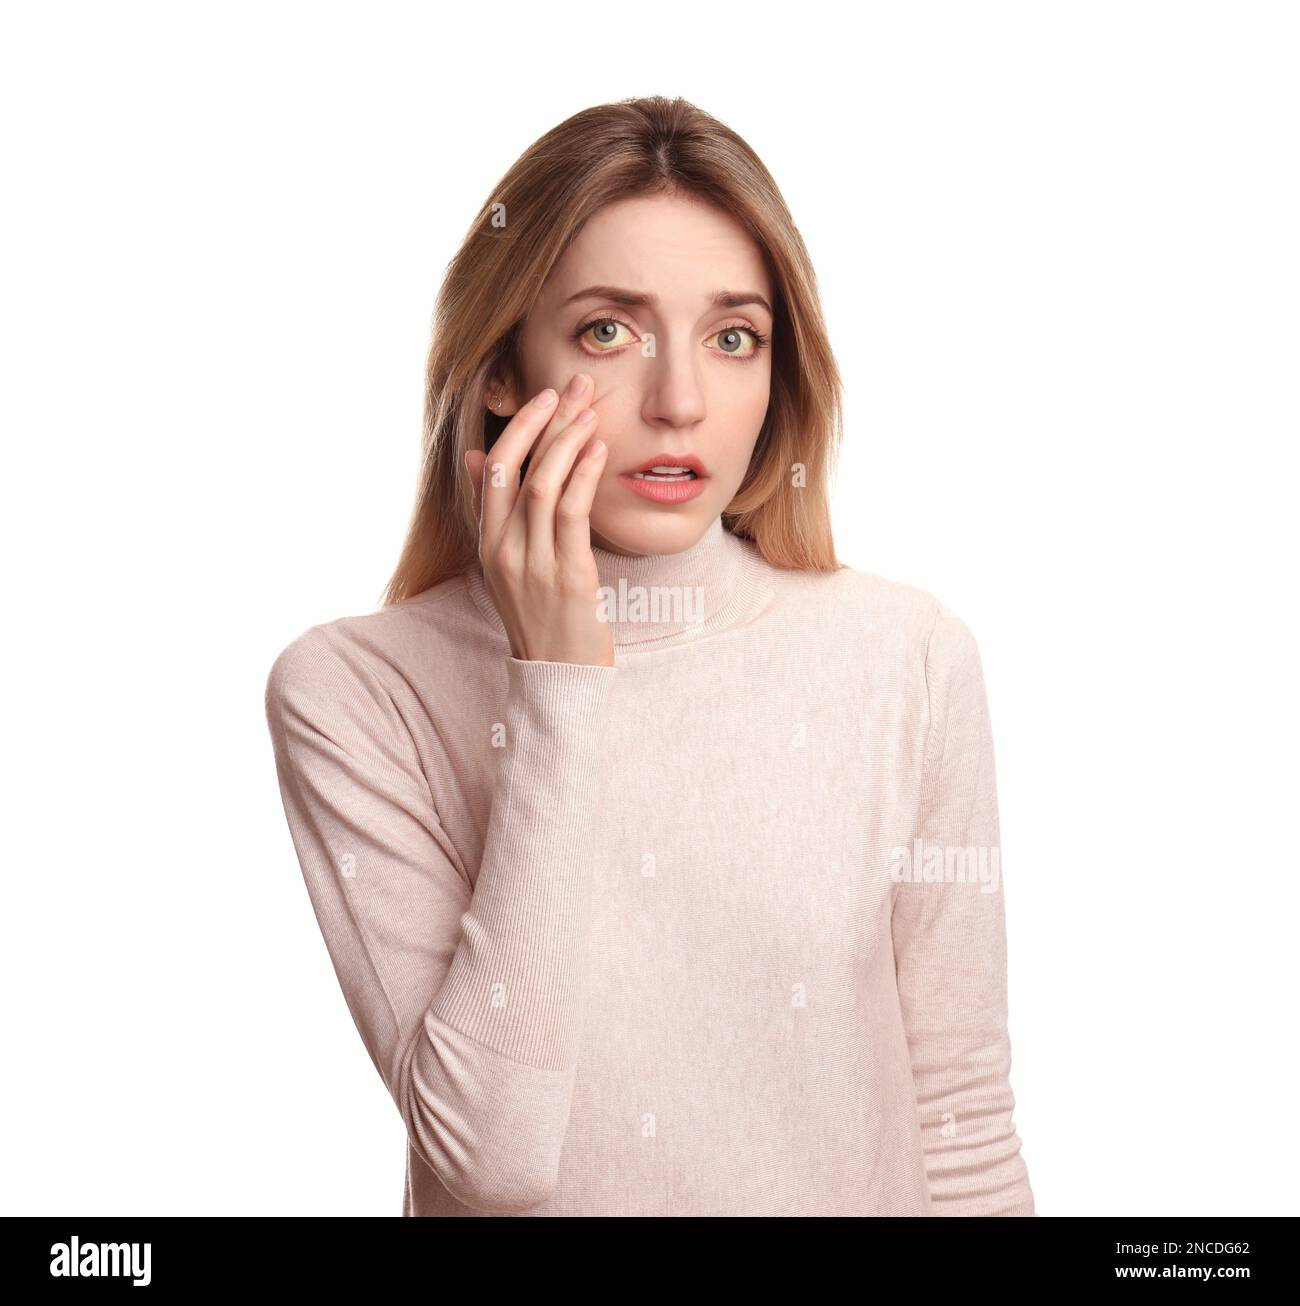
468,1000
949,935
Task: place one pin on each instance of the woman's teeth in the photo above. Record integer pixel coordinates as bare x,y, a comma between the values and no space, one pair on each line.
665,474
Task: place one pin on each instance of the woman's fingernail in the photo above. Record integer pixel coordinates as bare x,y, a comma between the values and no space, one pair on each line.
546,398
577,385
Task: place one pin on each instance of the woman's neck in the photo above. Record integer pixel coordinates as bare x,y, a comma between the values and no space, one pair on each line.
651,596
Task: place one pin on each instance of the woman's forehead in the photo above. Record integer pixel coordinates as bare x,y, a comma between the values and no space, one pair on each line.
670,251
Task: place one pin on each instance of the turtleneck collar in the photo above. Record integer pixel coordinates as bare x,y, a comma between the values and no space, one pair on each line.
665,598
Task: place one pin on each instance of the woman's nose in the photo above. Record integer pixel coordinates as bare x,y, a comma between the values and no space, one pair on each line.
674,394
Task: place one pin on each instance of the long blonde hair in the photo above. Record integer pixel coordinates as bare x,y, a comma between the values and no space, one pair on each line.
635,147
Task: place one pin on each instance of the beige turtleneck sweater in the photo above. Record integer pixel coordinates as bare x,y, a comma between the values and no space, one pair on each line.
645,939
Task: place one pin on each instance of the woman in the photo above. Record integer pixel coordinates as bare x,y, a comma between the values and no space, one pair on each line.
630,820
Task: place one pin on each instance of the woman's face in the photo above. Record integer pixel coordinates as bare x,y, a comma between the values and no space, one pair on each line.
677,373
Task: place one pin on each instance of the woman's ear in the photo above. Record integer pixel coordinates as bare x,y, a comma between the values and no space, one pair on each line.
501,398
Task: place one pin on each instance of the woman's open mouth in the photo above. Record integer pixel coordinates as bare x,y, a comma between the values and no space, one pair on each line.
668,480
665,474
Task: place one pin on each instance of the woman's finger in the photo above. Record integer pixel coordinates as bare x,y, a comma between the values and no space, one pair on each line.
545,481
573,512
501,480
576,398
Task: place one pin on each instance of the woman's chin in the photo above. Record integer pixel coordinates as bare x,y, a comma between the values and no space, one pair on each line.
652,529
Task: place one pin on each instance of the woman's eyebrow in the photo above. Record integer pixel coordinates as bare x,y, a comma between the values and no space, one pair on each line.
631,298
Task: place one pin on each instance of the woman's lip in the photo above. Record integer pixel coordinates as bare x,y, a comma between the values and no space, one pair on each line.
689,461
665,491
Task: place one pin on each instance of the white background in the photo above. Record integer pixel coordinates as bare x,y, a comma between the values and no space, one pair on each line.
1057,245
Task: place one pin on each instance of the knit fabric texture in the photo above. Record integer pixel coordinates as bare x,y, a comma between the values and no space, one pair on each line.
718,930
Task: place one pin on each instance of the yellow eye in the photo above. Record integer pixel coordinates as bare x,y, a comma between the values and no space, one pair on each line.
604,333
733,341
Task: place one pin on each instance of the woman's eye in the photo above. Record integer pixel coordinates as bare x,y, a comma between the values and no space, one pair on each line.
604,334
740,342
732,340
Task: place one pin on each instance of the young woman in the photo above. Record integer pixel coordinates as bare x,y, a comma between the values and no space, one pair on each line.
655,851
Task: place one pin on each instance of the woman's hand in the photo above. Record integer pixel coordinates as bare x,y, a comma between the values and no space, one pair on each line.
535,537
